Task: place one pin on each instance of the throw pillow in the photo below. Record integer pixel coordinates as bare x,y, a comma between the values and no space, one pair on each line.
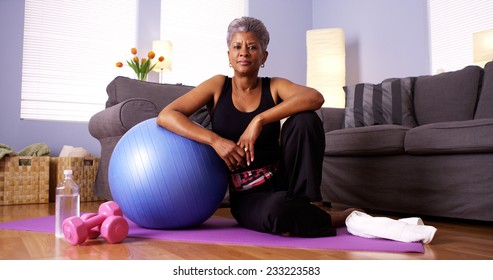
389,102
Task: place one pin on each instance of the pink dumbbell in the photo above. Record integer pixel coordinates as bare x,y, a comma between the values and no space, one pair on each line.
114,228
94,232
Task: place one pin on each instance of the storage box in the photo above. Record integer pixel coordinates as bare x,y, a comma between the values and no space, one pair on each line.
84,172
24,180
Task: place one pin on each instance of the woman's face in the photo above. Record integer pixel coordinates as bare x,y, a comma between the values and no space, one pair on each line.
245,53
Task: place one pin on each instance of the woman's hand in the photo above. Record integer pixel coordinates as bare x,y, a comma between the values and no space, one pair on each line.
232,154
248,138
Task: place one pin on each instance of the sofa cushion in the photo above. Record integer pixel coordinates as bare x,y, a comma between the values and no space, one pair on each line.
449,96
123,88
389,102
385,139
332,118
473,136
485,103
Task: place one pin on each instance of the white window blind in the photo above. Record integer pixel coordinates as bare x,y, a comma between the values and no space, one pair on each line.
452,23
70,51
197,30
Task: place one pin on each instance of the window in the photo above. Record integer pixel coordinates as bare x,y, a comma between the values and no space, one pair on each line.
70,51
198,36
452,23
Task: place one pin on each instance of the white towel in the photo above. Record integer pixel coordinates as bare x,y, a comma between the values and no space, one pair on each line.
405,230
71,151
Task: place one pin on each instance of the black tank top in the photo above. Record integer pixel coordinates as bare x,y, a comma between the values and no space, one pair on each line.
230,123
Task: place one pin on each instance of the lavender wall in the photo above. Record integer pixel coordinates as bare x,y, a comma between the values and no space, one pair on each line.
287,22
384,38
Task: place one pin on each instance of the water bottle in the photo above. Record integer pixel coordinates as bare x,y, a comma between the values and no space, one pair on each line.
67,202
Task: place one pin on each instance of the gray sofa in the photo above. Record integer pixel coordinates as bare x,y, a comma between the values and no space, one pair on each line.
129,103
433,155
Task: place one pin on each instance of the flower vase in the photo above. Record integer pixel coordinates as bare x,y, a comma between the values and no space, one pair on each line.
141,77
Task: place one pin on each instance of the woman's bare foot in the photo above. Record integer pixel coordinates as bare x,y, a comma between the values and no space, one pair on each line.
339,217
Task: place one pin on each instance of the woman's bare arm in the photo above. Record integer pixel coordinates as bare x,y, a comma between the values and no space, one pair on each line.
174,117
295,98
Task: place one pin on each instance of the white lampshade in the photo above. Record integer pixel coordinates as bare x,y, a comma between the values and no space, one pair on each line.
326,64
483,47
162,48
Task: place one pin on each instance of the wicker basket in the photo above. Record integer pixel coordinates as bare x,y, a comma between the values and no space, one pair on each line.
84,171
24,180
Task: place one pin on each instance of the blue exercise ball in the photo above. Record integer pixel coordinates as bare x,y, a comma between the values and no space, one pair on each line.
165,181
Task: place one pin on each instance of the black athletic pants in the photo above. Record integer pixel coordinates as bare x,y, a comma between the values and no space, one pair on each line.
283,205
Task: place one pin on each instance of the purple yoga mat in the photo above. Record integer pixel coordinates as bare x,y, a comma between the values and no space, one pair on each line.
227,231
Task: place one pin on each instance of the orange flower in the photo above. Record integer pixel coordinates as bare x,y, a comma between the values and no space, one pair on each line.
143,66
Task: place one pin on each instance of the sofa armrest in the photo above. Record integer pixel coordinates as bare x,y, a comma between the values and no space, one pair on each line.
118,119
332,118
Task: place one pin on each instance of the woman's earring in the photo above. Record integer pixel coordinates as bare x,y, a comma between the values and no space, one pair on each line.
263,65
230,65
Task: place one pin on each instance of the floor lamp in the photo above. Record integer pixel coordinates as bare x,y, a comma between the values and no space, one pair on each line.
483,47
326,64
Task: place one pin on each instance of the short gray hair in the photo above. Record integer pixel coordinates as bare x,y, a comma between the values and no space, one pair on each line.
249,24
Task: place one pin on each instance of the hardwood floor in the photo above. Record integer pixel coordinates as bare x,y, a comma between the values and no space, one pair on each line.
454,240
